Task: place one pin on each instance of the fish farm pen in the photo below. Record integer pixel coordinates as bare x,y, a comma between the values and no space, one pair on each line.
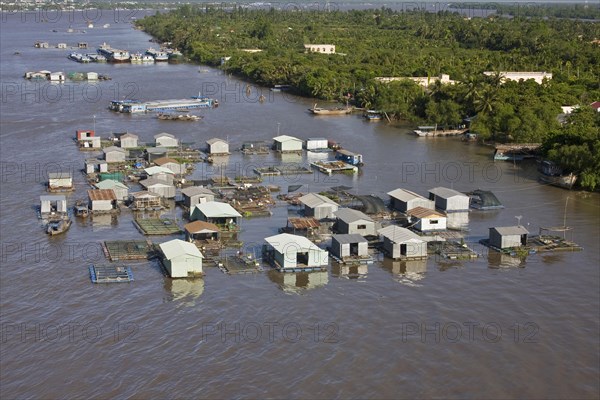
282,170
110,273
239,265
157,226
128,250
454,251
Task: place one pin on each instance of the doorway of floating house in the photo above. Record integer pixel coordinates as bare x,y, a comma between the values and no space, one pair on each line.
302,258
353,249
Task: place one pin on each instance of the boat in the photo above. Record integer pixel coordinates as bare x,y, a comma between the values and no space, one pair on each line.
136,58
81,209
280,88
372,115
180,117
113,55
80,58
136,106
484,200
330,111
432,131
147,59
158,55
96,57
552,174
515,152
174,55
58,226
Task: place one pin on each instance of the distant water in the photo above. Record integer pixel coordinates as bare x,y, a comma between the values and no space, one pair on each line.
491,328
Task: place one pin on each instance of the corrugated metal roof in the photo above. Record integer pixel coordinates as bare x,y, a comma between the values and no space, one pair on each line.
164,134
446,193
215,140
313,199
349,238
53,197
165,160
196,190
59,175
101,194
154,182
216,209
303,223
510,230
157,170
113,148
130,136
201,227
175,248
286,138
144,194
286,241
156,150
404,195
422,212
399,235
110,184
350,215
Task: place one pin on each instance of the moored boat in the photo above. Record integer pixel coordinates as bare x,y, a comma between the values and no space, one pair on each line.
113,55
158,55
432,131
136,58
330,111
372,115
58,226
552,174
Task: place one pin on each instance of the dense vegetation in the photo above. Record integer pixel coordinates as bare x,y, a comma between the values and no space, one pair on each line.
531,9
384,43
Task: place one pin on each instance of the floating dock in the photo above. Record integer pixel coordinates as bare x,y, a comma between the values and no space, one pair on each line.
282,170
157,226
136,106
329,167
128,250
239,265
455,251
110,273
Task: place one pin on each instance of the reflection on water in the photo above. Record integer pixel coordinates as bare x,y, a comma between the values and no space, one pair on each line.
458,220
501,260
406,272
104,221
349,271
290,158
297,282
184,290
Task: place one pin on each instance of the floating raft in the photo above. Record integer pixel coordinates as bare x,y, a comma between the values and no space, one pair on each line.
157,226
455,251
239,265
282,170
128,250
110,273
329,167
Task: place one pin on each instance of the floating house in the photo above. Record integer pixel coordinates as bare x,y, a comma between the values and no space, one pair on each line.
427,220
449,200
217,146
346,246
306,226
316,144
114,154
318,206
160,173
154,153
171,164
102,200
120,189
286,251
53,204
401,243
215,212
128,141
504,237
145,200
195,195
58,77
349,157
181,259
60,181
159,187
285,143
61,46
201,230
166,140
84,134
92,165
404,200
352,221
91,143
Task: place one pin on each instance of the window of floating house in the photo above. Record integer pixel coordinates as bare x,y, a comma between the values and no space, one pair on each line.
433,221
361,227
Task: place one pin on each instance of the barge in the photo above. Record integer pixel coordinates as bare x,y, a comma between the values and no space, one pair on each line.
136,106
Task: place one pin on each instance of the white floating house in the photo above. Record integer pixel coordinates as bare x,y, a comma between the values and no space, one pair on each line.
351,221
145,199
316,144
159,187
400,243
201,230
215,212
166,140
160,173
120,189
114,154
353,245
102,200
318,206
128,141
155,153
285,143
404,200
92,165
59,181
504,237
286,251
50,204
171,164
449,200
217,146
181,259
426,220
195,195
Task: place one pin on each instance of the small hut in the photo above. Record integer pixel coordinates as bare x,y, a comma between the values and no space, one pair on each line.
505,237
400,243
346,246
195,195
102,200
165,140
159,187
353,221
200,231
60,181
285,143
217,146
128,141
181,259
114,154
318,206
53,204
120,189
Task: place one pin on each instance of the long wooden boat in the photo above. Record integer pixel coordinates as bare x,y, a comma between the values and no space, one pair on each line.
330,111
56,227
432,131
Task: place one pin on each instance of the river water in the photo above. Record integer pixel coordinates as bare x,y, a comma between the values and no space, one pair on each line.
490,328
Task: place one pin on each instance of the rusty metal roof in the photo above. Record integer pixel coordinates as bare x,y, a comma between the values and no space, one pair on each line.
102,194
303,223
422,212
